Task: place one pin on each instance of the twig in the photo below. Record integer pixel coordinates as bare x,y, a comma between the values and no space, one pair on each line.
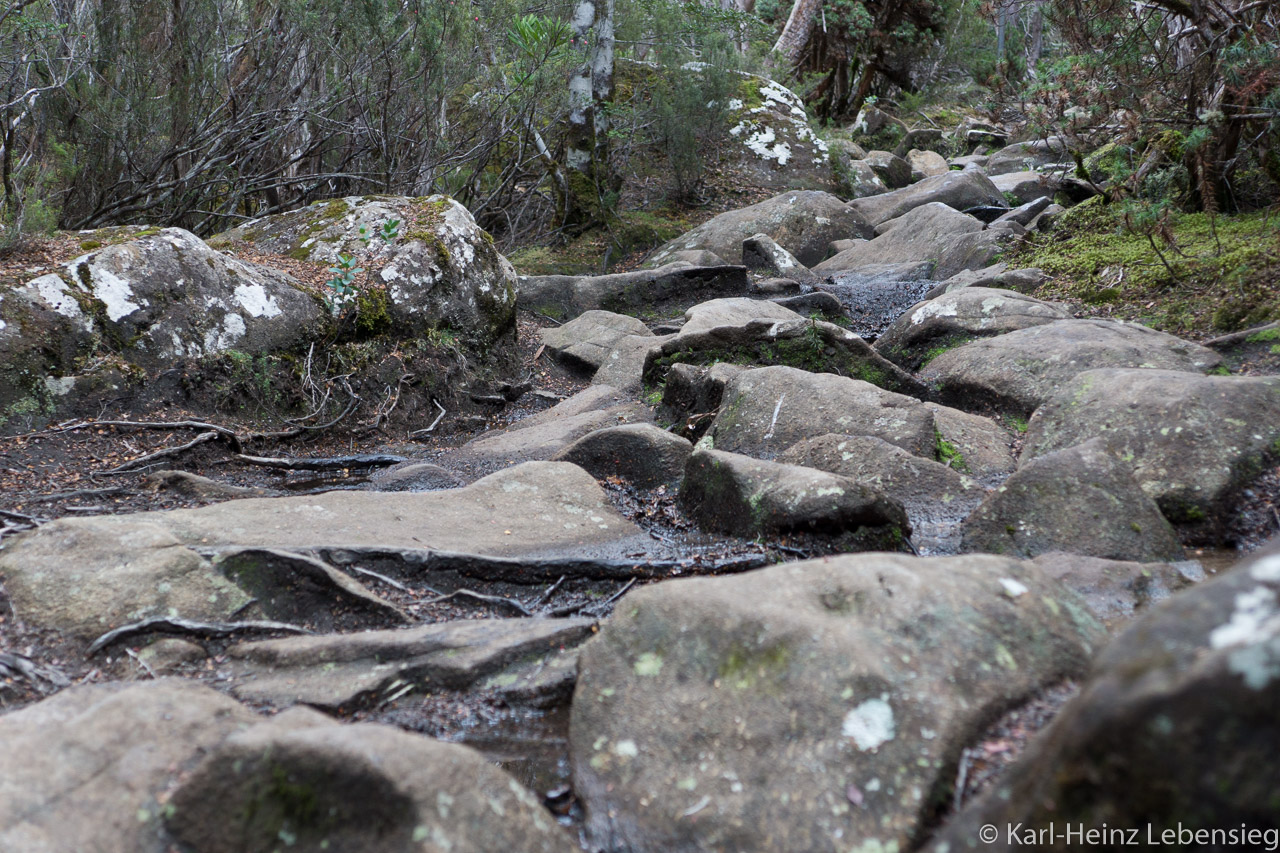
131,653
79,493
551,590
186,626
225,432
383,578
480,596
143,461
20,666
18,516
611,599
433,423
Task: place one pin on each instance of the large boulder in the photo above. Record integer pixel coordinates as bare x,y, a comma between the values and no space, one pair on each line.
441,272
301,781
90,768
766,410
957,190
951,240
973,444
732,493
150,301
1166,741
1192,440
1081,499
642,454
1117,589
801,221
1018,371
821,705
1021,188
770,135
930,328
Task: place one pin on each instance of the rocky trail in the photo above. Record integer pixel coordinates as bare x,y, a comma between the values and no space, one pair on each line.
792,539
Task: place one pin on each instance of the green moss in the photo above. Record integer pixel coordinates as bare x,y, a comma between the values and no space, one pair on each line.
949,454
1264,336
1216,274
372,312
746,667
90,245
1016,423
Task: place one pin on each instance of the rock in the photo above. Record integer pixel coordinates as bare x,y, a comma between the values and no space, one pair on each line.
642,454
170,655
586,341
972,444
760,254
326,786
978,161
925,139
997,275
42,332
775,147
1025,213
803,222
87,575
692,394
771,288
84,769
676,285
768,409
1024,187
84,576
1193,440
875,295
742,496
817,302
1116,589
698,258
445,274
934,496
1046,219
169,296
819,710
337,671
1018,371
934,232
838,246
813,345
1166,735
893,170
957,190
202,488
1081,499
624,367
719,313
1023,156
926,164
930,328
545,434
872,120
855,177
414,477
848,146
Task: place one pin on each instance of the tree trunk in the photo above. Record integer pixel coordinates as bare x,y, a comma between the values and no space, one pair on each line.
1035,40
590,89
795,35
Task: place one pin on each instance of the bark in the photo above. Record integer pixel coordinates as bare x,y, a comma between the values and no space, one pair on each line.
795,35
590,90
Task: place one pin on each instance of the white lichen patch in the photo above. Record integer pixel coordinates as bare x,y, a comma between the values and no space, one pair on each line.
870,725
255,300
115,293
219,339
934,308
1254,620
1013,588
53,292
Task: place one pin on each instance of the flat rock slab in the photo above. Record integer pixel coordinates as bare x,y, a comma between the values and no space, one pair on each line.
1168,734
819,704
1017,372
1192,439
674,286
930,328
1081,499
85,575
343,670
766,410
587,340
547,433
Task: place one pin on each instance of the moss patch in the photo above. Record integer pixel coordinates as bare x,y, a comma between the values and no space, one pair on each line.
1217,274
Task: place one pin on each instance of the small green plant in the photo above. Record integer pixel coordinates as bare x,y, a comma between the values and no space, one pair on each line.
1017,423
346,269
949,454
